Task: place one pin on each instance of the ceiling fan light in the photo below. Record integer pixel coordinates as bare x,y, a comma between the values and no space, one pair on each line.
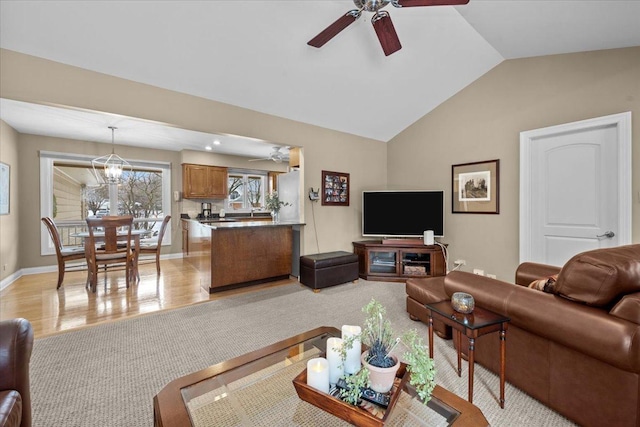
371,5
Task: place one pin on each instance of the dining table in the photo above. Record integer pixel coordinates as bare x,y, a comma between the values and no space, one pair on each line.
122,236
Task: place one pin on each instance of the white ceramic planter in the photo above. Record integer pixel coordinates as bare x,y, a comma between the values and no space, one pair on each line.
380,379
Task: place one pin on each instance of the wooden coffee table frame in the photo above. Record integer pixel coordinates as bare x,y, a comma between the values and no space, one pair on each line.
478,323
169,409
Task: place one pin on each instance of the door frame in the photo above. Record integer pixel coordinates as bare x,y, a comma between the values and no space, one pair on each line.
622,123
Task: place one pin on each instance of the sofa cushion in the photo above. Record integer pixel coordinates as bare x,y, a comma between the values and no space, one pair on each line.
601,276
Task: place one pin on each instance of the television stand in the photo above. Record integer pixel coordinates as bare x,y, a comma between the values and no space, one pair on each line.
401,242
398,261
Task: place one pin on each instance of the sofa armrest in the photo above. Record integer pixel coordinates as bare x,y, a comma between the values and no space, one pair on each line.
628,308
16,343
527,272
586,329
10,408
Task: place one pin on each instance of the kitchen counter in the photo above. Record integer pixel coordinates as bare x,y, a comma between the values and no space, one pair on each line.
231,254
217,224
208,221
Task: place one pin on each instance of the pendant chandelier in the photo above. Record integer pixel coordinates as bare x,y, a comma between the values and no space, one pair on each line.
112,164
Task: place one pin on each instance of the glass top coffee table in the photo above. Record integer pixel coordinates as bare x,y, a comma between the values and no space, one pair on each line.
256,389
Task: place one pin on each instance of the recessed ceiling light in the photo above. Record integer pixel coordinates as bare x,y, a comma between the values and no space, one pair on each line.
216,142
208,148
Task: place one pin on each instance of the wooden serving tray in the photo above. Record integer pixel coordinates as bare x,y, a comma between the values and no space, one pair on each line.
352,414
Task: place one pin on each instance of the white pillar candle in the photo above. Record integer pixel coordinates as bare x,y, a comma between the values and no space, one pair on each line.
352,363
318,374
336,368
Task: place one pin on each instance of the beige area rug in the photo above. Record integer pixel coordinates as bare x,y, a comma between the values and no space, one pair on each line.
107,375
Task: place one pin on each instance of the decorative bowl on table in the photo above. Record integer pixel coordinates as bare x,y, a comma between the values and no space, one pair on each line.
462,302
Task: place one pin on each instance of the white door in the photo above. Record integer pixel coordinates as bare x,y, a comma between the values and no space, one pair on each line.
576,189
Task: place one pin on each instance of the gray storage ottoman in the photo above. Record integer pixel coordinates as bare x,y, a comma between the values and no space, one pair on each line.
328,269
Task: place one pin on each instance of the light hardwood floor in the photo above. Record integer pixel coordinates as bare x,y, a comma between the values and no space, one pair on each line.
52,311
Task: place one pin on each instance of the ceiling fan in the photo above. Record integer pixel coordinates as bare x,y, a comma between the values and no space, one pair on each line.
276,155
381,21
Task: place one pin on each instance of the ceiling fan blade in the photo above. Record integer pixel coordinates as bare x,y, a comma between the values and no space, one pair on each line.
259,160
332,30
415,3
386,33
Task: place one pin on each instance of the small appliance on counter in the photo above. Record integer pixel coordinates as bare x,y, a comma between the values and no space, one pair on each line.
206,210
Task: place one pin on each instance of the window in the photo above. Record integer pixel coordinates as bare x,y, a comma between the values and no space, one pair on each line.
246,190
69,192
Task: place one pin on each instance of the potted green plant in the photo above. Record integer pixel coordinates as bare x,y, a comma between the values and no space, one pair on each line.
274,204
378,336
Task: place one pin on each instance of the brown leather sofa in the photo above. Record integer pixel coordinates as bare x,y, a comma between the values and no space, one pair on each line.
16,343
574,347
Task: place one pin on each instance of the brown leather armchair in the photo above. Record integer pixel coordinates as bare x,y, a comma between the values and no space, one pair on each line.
16,343
576,346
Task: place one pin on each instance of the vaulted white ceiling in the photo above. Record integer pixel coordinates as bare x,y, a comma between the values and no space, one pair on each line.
254,54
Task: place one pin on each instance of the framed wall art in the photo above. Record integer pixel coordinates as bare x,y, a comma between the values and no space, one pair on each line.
5,187
335,188
475,187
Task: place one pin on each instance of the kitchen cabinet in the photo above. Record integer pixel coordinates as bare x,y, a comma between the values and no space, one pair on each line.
204,182
273,181
294,157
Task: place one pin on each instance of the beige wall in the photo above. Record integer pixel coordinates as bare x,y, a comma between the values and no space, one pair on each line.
30,79
9,224
483,122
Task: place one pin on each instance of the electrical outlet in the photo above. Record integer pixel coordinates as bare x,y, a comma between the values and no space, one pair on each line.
491,276
459,262
478,272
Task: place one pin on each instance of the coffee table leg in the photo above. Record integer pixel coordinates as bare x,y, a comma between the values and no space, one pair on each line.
430,336
472,343
459,337
503,353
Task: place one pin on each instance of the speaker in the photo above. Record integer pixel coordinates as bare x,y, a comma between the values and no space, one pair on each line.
428,237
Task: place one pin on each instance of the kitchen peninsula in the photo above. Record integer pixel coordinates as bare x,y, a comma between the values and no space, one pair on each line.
231,254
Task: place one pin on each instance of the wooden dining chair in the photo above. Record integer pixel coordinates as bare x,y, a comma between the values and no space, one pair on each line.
155,247
109,243
63,253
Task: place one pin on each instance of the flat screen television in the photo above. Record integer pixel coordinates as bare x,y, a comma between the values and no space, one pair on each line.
402,213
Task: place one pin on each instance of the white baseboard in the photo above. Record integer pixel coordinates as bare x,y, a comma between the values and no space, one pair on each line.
10,279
